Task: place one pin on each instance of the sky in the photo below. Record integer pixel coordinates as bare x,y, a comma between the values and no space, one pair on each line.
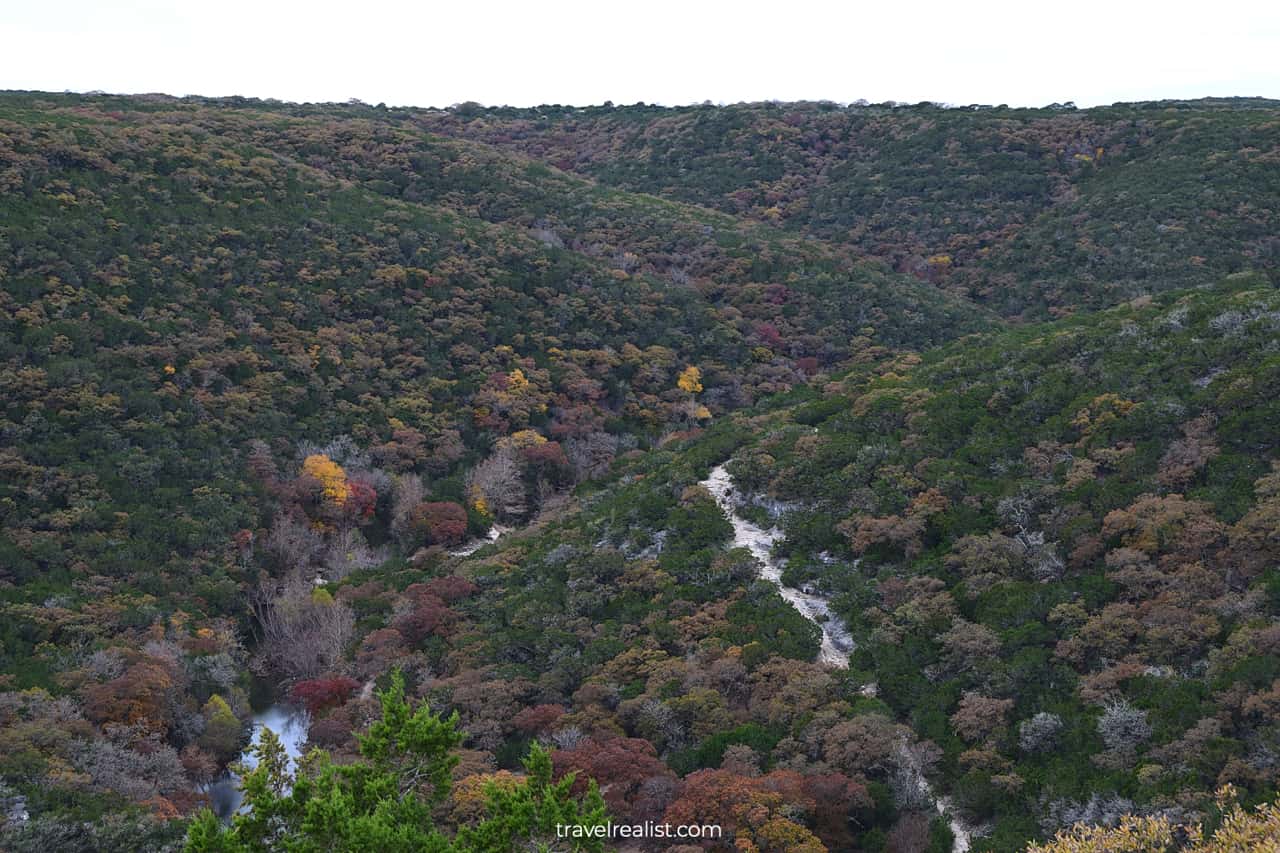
432,53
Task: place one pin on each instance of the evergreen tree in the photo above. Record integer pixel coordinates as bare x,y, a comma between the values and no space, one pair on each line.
384,801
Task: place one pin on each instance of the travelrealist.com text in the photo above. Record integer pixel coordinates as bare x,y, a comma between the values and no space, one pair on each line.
648,829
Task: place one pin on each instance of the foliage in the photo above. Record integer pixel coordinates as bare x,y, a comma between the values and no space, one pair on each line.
1033,211
1238,829
384,799
256,355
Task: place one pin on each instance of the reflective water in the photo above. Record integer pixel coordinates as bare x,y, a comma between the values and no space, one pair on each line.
290,725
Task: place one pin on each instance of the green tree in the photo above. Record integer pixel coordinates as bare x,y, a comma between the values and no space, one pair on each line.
222,729
384,801
381,803
526,817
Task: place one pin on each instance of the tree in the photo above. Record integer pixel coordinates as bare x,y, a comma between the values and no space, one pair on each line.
752,814
1162,524
222,729
378,650
330,476
303,634
319,693
979,716
1040,732
622,766
548,466
496,486
968,646
361,501
897,533
529,816
865,744
690,380
1255,538
439,522
407,493
1122,726
537,719
591,454
137,697
381,802
1239,831
420,614
450,588
1187,455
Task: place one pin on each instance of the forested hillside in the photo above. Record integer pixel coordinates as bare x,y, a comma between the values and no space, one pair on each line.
1031,211
271,373
180,289
1056,549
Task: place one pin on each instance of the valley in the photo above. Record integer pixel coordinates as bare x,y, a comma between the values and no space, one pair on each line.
867,477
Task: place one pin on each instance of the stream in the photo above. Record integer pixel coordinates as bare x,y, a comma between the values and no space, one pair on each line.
837,642
495,532
290,725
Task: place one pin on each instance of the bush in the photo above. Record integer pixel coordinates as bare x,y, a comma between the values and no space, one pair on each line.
1040,732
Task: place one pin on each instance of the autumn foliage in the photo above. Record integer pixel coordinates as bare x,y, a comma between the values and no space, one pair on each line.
440,522
329,476
316,694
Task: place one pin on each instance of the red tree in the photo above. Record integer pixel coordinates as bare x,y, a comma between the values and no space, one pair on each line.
440,522
626,770
451,588
316,694
423,615
537,719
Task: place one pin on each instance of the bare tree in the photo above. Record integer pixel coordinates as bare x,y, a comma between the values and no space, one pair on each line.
909,834
568,737
500,480
349,551
115,765
293,542
591,454
304,631
1122,726
1039,733
910,764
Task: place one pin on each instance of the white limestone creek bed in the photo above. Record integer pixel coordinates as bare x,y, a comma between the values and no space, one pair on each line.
495,533
837,641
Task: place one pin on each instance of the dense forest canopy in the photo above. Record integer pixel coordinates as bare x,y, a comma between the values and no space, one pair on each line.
1030,211
1001,383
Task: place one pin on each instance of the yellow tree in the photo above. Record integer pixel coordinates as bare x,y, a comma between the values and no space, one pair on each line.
332,479
690,380
1240,831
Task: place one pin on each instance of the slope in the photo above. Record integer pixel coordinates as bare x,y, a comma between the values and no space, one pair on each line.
1027,210
1053,546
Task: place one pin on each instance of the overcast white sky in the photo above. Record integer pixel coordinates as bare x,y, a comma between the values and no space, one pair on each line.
432,53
